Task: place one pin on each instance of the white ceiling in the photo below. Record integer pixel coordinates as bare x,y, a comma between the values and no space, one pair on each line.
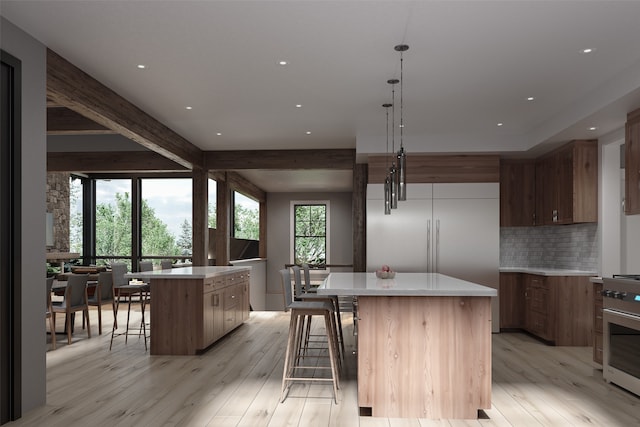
471,65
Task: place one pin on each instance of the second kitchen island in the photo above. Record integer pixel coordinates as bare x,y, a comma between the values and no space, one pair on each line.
424,344
193,307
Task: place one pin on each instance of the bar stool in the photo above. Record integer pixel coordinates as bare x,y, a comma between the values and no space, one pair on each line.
296,353
122,288
307,295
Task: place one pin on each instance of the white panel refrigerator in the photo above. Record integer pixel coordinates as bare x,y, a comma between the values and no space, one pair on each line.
453,229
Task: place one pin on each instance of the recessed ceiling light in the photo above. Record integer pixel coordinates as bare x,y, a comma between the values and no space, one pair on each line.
500,124
219,133
142,66
298,105
188,108
593,128
531,98
308,132
588,50
283,62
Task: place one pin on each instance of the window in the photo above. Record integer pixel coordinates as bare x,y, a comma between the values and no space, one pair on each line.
76,220
113,219
246,217
213,203
310,232
165,217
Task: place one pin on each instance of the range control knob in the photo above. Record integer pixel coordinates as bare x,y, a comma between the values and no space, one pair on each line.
607,293
621,295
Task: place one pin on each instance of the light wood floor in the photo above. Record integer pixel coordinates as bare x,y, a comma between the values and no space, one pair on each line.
237,383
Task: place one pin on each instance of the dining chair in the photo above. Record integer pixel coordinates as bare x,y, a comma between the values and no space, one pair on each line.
166,264
49,314
295,361
145,266
74,300
102,295
307,277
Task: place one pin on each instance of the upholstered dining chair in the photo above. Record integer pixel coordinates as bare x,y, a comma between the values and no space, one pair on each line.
103,295
74,300
49,314
146,266
166,264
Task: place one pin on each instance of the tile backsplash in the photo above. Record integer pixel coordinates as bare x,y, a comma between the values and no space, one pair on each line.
572,247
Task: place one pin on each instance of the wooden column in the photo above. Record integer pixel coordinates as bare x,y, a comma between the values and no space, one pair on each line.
200,206
359,217
223,195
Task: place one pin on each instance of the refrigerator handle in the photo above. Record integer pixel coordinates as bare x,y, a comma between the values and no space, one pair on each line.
428,246
437,249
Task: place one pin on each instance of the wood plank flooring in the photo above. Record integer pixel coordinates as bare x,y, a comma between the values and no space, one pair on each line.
237,383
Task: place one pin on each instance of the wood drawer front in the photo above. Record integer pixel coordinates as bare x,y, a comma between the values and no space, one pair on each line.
232,296
539,300
597,348
597,317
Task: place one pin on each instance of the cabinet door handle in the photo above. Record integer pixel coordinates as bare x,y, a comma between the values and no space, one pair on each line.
215,300
429,246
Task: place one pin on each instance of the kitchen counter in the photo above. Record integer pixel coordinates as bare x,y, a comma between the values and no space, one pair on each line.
543,271
185,273
423,344
404,284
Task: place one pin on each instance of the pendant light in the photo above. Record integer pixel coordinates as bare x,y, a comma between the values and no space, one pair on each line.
401,155
394,176
387,183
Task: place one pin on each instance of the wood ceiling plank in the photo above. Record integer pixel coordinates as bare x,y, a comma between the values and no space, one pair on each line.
71,87
280,159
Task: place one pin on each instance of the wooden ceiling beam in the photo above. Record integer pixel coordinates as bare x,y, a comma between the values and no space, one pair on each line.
63,121
243,185
71,87
280,159
111,161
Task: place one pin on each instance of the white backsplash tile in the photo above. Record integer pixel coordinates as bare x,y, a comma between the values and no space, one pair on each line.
571,247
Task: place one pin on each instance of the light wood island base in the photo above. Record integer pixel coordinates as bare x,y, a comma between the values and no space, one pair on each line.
424,357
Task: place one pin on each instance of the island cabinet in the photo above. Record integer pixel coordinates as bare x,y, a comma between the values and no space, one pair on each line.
194,307
567,184
517,193
632,164
559,309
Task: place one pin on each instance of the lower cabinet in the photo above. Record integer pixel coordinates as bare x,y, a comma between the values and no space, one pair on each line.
557,309
597,323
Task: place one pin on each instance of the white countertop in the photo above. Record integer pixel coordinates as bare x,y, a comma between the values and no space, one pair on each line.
542,271
185,273
404,284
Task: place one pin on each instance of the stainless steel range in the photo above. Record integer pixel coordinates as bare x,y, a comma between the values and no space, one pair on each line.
621,330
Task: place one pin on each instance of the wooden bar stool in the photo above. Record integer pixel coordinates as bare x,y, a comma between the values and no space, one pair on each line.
296,354
123,289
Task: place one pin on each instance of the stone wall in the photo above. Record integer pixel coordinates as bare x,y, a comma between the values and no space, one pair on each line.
58,204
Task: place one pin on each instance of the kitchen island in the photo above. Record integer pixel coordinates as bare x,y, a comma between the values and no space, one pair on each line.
193,307
424,344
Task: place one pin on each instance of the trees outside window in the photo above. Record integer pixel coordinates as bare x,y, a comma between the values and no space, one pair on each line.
246,217
310,231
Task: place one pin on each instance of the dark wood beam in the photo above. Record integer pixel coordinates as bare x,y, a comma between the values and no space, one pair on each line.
110,161
243,185
71,87
63,121
280,159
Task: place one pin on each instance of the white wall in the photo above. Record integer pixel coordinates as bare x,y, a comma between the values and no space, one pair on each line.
33,56
278,232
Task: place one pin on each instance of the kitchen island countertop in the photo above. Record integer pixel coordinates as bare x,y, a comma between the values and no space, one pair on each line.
185,273
403,284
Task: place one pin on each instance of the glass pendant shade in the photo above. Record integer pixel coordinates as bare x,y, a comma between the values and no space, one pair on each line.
387,196
393,183
402,174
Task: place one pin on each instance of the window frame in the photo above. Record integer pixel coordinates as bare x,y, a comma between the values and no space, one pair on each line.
292,226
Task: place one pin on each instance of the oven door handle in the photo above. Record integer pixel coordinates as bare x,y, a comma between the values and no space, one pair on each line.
621,314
